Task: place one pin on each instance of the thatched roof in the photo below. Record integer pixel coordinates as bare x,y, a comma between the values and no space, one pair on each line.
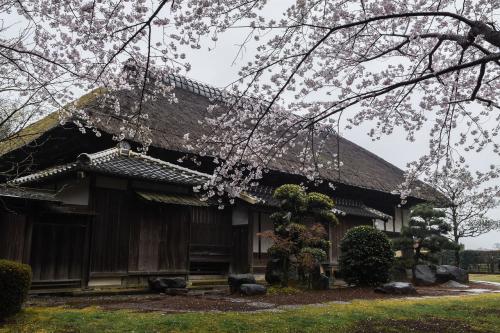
170,122
40,127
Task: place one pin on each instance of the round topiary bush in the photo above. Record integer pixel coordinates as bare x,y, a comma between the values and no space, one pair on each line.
15,282
366,256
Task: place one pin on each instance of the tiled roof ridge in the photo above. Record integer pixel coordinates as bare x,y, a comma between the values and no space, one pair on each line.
95,159
194,86
206,90
108,154
44,173
98,157
148,158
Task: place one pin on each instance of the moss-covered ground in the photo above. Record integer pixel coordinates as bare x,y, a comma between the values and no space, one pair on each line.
485,277
479,313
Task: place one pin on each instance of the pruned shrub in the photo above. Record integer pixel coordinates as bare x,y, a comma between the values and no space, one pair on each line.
15,282
298,247
366,256
292,198
319,200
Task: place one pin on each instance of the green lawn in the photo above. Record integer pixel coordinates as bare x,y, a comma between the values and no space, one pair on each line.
446,314
485,277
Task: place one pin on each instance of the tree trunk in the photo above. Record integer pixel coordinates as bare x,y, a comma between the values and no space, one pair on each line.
416,261
457,256
456,237
286,270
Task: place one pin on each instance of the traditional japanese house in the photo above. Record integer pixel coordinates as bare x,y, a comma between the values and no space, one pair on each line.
86,212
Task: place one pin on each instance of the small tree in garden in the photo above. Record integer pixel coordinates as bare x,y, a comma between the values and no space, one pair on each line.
297,247
366,256
425,234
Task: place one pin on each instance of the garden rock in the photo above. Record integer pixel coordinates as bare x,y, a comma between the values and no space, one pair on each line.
397,288
160,284
157,285
252,289
236,280
445,273
425,275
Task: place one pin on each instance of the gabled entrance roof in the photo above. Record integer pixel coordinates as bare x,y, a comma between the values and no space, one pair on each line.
26,193
123,163
173,199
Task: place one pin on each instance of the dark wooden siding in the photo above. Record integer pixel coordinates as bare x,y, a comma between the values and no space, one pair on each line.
159,239
12,236
131,235
210,239
57,248
211,226
110,230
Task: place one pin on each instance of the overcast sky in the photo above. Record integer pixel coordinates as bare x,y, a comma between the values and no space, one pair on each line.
215,67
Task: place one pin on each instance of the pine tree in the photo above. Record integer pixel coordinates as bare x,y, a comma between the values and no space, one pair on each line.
425,235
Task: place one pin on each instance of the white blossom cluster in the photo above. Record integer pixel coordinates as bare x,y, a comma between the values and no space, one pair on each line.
399,64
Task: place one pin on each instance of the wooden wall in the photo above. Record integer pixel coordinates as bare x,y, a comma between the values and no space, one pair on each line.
159,239
124,236
111,230
57,248
53,245
12,235
131,235
211,240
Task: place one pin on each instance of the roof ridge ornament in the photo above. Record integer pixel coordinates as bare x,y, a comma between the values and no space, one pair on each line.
123,145
84,158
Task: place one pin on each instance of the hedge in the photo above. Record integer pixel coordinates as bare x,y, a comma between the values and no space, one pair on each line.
366,256
15,282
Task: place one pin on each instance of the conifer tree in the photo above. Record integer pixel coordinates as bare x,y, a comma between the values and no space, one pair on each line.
425,235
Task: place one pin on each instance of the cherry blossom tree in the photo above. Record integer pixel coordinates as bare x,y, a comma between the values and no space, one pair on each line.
395,64
312,68
53,51
471,199
11,120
